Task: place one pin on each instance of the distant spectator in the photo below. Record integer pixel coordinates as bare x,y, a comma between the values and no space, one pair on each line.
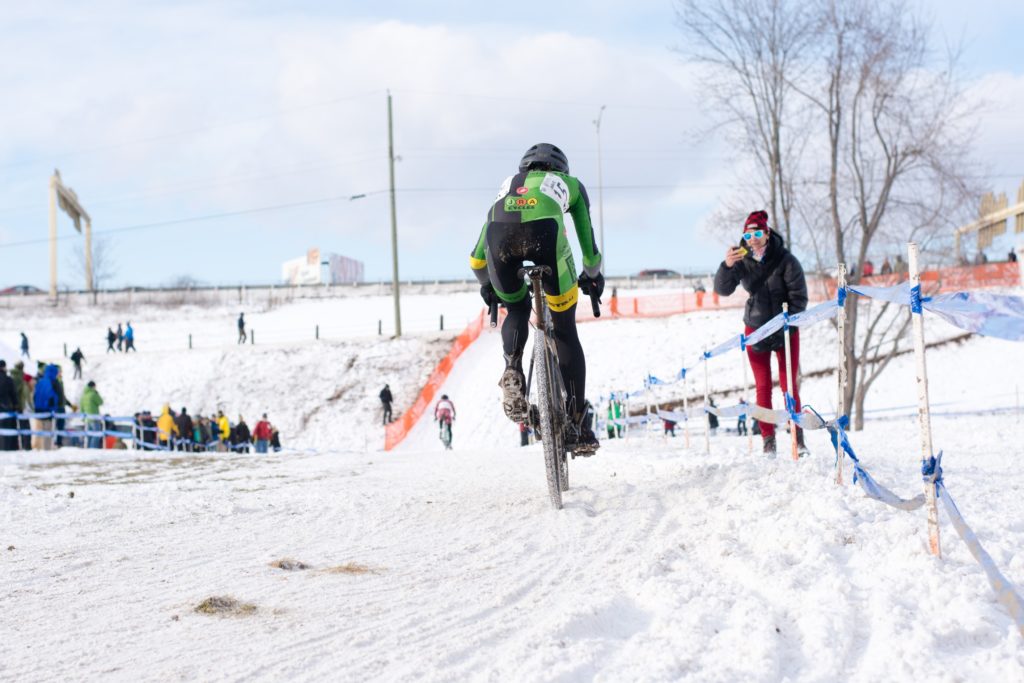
242,437
261,434
524,434
120,337
62,405
8,404
201,434
224,425
386,399
700,291
275,439
669,425
24,346
741,421
111,340
184,424
980,258
166,428
148,427
869,268
23,392
614,419
90,404
755,427
886,267
76,359
1012,256
242,336
129,339
45,401
899,266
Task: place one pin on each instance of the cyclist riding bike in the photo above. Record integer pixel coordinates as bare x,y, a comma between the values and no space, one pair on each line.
526,223
444,415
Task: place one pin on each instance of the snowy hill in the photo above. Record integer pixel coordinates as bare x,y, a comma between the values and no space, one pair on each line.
666,564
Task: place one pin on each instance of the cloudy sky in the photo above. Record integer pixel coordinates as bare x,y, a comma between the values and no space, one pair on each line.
217,139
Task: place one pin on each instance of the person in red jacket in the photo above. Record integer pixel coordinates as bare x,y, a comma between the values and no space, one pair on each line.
261,434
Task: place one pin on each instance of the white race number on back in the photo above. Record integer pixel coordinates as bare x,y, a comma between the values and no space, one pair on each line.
555,187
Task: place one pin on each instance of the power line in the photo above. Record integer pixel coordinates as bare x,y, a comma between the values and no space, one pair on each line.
206,217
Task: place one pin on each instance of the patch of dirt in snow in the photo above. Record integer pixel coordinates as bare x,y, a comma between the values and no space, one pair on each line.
353,568
290,565
223,605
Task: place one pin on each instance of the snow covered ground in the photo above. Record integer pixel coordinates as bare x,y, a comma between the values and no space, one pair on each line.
666,564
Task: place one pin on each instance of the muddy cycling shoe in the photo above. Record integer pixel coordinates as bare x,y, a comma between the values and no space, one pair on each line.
513,390
581,440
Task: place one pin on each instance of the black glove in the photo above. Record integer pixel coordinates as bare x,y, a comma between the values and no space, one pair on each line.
488,295
592,285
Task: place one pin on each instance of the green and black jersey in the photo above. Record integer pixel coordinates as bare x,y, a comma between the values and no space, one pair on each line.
543,196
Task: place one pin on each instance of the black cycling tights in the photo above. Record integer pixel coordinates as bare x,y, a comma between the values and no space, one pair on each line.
571,362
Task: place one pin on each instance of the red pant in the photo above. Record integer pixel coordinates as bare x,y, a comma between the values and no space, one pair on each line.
761,365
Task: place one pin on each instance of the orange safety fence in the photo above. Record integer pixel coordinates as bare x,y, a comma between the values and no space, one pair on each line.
945,280
400,428
658,305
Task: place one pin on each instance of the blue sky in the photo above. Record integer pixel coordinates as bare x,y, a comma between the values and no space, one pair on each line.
265,117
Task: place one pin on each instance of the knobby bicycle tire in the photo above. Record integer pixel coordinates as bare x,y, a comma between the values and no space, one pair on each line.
558,401
549,434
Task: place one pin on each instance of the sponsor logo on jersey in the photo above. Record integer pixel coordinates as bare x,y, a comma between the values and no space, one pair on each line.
519,204
522,190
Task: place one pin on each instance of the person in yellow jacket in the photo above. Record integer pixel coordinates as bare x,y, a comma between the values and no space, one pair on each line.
166,429
224,425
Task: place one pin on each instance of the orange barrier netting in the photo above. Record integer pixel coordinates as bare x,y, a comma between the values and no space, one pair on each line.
400,428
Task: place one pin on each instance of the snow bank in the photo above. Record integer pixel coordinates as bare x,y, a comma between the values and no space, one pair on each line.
667,564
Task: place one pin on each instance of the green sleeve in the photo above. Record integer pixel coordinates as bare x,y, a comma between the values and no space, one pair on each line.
579,209
478,258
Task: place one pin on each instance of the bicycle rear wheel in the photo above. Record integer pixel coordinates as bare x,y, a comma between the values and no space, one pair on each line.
550,424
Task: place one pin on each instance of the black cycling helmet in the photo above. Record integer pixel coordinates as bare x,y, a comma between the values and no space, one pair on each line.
444,397
544,157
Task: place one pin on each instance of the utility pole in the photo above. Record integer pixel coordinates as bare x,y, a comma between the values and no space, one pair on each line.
394,223
600,188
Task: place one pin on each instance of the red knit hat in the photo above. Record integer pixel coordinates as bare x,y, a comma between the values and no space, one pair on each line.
757,220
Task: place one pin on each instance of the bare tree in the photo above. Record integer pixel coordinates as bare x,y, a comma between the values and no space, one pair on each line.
897,151
104,266
860,133
753,51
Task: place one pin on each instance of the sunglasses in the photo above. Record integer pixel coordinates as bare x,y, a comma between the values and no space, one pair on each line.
758,234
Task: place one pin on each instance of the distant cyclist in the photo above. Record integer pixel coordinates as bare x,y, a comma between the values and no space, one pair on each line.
526,223
444,415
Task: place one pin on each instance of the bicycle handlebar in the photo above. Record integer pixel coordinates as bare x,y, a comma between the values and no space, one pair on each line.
595,304
493,310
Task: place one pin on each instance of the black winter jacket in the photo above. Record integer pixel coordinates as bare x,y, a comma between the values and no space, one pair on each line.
8,397
786,284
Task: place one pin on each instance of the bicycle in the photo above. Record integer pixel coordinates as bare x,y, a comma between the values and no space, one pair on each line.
548,415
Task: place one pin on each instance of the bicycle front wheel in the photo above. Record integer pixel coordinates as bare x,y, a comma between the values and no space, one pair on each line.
551,433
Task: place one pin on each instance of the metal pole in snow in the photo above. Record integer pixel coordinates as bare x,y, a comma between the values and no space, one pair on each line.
789,382
924,409
707,415
841,377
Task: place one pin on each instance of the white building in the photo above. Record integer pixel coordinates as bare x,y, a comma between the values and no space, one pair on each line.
321,268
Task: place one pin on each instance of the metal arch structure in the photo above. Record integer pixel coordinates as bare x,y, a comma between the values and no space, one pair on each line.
65,198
